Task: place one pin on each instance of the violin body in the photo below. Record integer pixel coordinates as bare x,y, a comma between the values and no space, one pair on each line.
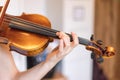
26,43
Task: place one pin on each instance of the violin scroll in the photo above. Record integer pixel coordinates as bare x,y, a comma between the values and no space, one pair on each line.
109,51
99,52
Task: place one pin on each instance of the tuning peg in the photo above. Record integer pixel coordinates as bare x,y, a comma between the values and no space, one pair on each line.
100,42
100,59
92,55
92,37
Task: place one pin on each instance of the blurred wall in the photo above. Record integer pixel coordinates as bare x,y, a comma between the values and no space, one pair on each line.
107,28
78,16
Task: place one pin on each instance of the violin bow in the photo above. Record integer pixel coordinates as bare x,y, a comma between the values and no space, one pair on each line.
2,14
3,10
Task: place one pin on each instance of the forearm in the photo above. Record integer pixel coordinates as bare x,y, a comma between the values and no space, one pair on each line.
40,70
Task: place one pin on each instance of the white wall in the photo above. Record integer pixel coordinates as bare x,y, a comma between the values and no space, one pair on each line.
78,16
54,12
35,6
15,7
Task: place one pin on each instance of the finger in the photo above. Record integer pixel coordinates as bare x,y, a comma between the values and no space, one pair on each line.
61,45
59,34
66,39
75,39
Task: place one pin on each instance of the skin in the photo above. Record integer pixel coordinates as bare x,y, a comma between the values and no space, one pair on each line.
9,71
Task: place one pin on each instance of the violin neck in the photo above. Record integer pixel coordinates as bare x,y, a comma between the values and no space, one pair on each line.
82,41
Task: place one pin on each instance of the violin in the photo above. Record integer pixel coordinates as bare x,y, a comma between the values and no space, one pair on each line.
30,34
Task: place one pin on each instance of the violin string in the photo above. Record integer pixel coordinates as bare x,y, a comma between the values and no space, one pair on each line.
49,32
46,31
24,27
13,18
42,28
29,23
